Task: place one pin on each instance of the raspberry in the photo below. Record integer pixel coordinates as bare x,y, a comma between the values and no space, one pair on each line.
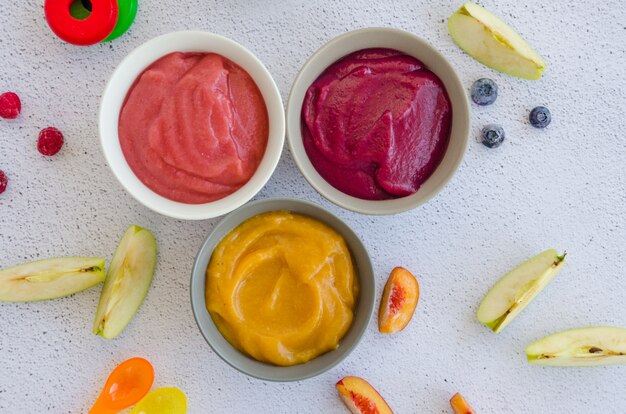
10,105
3,181
50,141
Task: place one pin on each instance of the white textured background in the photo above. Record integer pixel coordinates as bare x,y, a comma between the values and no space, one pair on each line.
563,187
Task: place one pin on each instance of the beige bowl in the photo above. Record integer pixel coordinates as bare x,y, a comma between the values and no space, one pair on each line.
413,46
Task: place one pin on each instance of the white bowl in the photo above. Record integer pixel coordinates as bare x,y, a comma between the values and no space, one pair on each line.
413,46
123,78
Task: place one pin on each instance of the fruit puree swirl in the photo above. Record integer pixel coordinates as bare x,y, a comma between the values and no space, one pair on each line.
282,288
194,127
376,124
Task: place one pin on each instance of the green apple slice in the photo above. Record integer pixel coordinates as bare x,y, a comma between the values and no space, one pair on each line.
511,294
127,282
50,278
492,42
596,345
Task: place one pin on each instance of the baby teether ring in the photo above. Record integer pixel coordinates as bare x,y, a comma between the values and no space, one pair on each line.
93,29
126,16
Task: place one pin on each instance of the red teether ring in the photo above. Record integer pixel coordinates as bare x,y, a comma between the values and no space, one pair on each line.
95,28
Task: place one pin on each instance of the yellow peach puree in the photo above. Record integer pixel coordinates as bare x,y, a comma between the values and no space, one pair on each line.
281,287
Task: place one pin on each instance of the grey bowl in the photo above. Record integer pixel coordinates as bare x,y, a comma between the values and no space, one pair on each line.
250,366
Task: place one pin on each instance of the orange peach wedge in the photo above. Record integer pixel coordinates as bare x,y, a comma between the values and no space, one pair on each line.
459,405
360,397
399,301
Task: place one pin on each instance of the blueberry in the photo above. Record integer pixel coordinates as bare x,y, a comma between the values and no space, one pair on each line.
484,91
492,135
540,117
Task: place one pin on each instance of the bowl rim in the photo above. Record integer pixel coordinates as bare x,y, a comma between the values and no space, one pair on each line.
461,120
132,65
210,332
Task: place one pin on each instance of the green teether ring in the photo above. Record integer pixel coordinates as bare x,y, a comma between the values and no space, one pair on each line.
127,13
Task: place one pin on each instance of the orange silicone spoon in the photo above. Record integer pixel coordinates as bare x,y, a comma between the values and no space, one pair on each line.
128,383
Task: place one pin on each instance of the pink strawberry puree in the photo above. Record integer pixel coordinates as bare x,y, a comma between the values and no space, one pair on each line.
376,124
194,127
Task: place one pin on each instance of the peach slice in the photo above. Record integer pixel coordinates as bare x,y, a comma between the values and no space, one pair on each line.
399,301
459,405
360,397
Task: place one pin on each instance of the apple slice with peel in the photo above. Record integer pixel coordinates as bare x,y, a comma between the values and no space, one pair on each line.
50,278
511,294
459,405
398,302
360,397
492,42
596,345
127,282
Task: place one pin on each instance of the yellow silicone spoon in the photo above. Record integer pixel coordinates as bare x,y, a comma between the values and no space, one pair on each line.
166,400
